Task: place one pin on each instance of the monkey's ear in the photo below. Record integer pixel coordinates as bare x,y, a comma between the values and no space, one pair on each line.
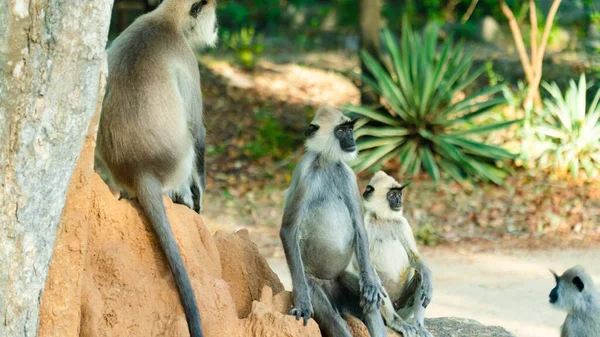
403,186
311,130
578,283
368,191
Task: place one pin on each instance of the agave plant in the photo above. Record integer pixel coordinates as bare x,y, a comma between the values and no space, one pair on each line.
569,132
422,124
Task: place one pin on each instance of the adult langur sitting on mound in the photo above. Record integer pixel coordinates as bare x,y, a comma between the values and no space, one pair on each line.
323,227
575,293
151,134
394,254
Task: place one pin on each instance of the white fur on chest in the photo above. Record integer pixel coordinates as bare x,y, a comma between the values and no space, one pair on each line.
389,244
389,258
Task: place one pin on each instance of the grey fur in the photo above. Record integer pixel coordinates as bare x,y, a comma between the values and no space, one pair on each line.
322,228
151,136
583,307
395,256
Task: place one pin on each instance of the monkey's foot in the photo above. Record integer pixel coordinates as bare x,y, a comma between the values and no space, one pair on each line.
424,333
197,196
182,196
405,329
124,195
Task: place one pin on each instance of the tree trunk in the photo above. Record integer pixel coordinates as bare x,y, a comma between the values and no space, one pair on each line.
52,70
369,25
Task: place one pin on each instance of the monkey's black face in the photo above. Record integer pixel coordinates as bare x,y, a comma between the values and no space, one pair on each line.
554,295
345,134
554,292
394,198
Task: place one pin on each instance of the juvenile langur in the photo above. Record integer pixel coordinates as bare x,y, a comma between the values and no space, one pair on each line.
322,227
151,135
576,294
395,256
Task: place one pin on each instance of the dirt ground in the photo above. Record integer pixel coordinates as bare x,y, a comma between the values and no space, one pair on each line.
497,280
508,288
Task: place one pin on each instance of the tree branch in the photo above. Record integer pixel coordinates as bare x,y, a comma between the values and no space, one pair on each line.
469,11
518,37
546,35
534,31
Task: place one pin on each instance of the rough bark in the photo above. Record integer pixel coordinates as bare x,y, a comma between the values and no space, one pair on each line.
369,25
52,66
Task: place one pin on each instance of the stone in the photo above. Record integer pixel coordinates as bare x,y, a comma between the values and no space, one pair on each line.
442,327
489,30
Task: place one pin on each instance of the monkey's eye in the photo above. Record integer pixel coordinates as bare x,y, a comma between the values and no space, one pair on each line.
197,7
368,191
340,132
394,195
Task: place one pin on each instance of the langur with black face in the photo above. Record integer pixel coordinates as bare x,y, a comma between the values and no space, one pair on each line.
395,256
322,228
576,294
151,137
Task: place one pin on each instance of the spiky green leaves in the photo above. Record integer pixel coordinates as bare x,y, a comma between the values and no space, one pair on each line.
569,133
423,126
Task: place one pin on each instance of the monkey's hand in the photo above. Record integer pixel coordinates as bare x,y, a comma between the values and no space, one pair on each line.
372,291
302,307
426,288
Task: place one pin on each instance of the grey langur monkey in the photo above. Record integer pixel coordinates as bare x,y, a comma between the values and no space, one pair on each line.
322,227
576,294
151,137
395,256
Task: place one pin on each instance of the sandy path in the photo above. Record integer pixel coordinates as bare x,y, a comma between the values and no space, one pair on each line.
505,287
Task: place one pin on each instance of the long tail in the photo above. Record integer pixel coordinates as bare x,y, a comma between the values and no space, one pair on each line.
150,198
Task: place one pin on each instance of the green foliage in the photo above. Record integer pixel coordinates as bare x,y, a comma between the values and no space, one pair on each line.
595,18
568,132
246,45
271,138
424,126
236,14
427,235
515,97
494,77
438,10
467,31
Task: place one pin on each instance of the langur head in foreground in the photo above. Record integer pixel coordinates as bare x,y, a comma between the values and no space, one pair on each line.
331,134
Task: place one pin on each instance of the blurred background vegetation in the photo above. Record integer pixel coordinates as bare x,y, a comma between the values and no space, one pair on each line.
489,107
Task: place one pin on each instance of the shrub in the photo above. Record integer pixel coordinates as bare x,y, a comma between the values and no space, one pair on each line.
422,124
568,131
246,45
271,138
